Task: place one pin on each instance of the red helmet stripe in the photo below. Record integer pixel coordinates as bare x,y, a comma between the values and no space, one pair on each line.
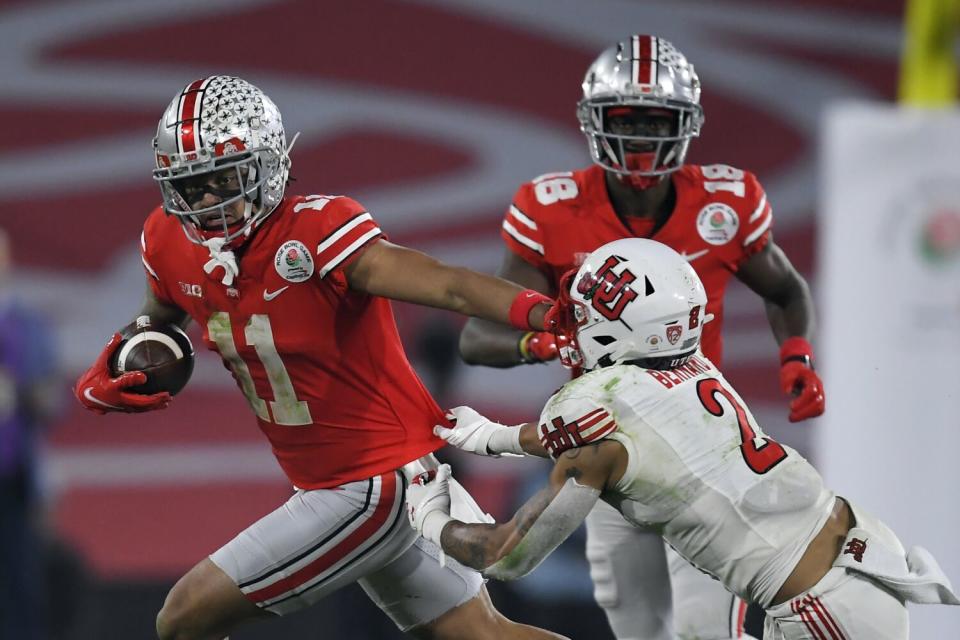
654,56
644,59
189,135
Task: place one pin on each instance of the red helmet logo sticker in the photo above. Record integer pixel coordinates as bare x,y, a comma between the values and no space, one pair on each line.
608,292
673,333
233,145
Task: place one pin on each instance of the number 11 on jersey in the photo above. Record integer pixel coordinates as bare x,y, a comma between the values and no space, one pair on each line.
285,408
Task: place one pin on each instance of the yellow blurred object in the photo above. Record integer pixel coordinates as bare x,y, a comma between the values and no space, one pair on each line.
928,70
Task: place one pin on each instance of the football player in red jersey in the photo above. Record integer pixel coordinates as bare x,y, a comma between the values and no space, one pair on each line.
639,112
292,292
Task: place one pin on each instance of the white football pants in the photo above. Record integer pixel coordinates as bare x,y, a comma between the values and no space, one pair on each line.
648,591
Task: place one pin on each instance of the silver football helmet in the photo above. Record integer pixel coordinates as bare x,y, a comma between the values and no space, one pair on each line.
225,126
648,72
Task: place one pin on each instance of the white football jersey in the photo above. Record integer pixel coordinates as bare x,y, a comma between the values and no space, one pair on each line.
736,504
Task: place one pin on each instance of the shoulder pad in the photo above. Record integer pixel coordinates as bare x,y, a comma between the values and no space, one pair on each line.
338,226
549,189
740,191
323,203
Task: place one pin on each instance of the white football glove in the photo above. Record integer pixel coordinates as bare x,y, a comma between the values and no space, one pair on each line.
428,503
474,433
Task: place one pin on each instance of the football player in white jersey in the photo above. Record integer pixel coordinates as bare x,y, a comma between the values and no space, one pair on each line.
655,430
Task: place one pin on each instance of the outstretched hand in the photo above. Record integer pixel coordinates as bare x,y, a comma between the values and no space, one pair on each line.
477,434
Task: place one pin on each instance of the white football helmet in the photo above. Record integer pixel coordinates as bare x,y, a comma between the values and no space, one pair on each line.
642,71
215,124
632,300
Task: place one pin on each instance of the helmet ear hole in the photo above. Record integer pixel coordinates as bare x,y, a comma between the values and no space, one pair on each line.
604,340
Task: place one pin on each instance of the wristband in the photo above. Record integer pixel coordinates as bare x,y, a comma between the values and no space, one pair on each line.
526,300
506,440
796,349
433,524
522,347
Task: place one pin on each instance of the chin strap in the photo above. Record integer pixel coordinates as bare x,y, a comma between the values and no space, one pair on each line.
220,258
640,182
293,141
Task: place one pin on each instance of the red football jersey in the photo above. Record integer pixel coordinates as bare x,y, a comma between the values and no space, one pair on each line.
321,365
721,218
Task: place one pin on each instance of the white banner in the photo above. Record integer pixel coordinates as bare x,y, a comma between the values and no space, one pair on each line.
889,345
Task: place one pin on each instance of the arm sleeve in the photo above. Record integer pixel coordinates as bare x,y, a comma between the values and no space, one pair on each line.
573,421
567,510
520,230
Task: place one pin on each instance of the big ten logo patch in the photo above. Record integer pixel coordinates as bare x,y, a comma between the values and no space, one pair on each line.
191,289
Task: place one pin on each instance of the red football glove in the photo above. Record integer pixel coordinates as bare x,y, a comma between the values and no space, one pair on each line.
551,319
99,392
798,379
540,346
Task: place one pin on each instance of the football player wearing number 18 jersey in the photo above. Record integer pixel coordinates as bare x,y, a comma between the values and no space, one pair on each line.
292,292
640,110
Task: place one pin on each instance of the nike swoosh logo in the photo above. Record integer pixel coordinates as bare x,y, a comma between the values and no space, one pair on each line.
690,257
87,393
270,295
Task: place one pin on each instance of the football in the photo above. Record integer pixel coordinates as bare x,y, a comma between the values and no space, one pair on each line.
163,352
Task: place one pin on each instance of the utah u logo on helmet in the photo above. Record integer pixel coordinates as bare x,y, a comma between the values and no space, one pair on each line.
608,292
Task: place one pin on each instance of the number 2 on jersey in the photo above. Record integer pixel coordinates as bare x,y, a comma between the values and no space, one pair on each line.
759,457
286,409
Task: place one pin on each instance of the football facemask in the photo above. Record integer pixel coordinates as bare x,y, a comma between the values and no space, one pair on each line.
641,141
642,72
237,183
570,316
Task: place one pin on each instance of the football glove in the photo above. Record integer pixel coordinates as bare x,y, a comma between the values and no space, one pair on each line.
799,380
428,503
98,391
474,433
537,346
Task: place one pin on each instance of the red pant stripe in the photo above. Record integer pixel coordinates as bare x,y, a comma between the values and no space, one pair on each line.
827,619
811,624
388,498
741,616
